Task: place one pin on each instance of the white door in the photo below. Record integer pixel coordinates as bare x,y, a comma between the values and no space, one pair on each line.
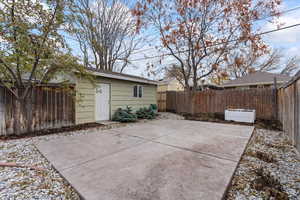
102,102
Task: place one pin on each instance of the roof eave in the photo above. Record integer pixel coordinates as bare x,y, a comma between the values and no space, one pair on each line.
113,76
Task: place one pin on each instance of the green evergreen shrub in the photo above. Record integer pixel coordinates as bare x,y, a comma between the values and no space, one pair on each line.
124,115
154,107
146,113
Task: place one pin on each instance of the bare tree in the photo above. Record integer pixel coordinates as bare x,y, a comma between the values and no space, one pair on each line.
244,61
174,71
292,65
106,33
200,34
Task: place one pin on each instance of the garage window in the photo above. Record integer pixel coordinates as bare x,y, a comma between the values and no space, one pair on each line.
138,91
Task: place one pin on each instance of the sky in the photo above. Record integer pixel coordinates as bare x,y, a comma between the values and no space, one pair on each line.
287,40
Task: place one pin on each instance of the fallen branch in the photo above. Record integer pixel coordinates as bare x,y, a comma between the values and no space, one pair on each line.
11,164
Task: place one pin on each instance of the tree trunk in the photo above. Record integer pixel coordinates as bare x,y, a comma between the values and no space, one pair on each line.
17,114
28,114
22,112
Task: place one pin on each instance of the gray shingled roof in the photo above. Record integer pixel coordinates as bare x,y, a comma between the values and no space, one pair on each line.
257,78
122,76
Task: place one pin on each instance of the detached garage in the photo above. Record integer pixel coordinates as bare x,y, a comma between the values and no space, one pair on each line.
98,100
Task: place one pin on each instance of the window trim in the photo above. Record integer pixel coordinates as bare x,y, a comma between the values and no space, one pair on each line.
138,87
142,91
133,91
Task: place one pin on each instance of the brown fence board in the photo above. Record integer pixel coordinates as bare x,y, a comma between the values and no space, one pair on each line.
162,101
46,107
216,101
289,110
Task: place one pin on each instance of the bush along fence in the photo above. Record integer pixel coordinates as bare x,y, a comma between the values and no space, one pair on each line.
46,107
289,109
127,115
263,100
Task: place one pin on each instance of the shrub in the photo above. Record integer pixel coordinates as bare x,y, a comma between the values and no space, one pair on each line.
154,108
146,113
124,115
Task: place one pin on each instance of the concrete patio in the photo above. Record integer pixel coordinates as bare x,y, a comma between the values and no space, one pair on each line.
161,159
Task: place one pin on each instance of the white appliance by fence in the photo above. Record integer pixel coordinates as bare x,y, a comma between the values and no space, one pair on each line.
240,115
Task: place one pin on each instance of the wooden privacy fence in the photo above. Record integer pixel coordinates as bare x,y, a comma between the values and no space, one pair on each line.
289,109
263,100
46,107
161,101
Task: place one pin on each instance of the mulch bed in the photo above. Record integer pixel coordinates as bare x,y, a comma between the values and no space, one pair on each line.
219,118
52,131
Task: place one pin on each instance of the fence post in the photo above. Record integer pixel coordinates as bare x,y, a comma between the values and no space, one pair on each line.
2,110
296,116
275,100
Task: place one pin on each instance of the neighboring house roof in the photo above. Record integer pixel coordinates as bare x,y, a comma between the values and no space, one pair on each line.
257,78
166,81
121,76
210,85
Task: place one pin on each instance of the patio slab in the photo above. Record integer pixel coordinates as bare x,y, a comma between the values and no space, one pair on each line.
162,159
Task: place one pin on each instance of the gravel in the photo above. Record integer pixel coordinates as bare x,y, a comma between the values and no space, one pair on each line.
269,169
24,183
